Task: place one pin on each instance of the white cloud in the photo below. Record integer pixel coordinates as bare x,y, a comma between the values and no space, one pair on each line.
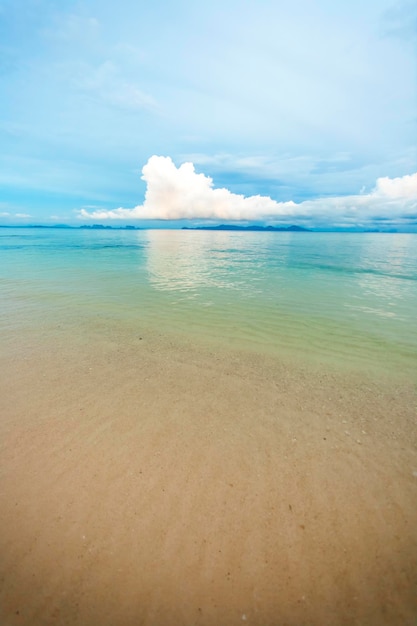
175,193
22,215
397,188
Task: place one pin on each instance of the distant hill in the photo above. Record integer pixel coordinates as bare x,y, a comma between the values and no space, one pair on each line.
83,226
233,227
254,227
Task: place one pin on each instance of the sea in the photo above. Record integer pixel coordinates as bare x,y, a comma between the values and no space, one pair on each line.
346,300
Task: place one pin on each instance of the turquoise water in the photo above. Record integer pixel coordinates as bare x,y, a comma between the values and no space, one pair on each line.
344,298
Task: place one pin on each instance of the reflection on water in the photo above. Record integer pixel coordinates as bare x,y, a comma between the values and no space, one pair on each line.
323,293
373,274
387,276
291,287
193,261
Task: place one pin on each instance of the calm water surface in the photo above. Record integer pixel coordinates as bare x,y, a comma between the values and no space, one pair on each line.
349,298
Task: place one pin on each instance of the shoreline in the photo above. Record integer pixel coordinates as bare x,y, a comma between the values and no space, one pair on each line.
156,482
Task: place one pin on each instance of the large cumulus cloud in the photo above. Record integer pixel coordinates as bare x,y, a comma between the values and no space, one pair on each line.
175,193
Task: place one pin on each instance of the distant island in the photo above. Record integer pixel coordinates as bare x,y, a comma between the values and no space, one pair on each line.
253,227
226,227
237,227
83,226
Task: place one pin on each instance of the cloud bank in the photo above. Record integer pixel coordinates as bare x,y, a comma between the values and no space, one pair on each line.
179,193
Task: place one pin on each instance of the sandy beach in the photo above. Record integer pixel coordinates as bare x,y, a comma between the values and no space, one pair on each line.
148,481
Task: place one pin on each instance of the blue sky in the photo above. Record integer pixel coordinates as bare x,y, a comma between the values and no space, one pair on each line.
309,105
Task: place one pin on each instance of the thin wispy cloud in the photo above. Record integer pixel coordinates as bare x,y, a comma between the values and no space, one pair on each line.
106,82
180,193
72,27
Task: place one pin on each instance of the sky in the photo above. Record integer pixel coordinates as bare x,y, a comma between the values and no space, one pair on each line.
169,113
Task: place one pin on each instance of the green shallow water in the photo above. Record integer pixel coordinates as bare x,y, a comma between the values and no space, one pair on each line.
344,299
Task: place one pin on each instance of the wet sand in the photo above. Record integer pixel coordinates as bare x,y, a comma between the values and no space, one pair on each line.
146,481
